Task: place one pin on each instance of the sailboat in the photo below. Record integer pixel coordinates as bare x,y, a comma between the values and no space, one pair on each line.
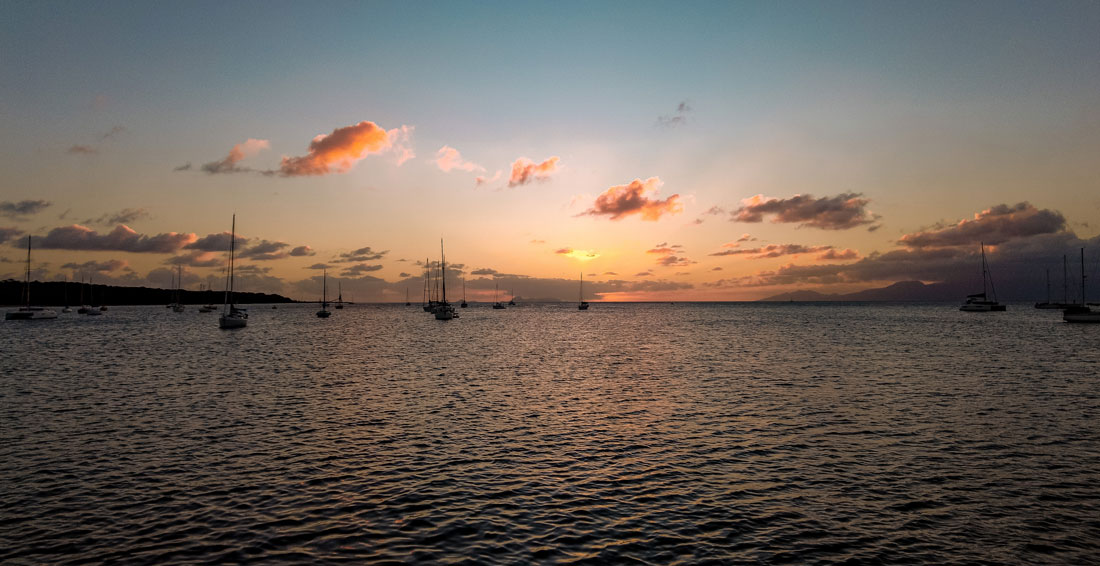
177,306
1065,290
463,305
339,295
1082,312
496,297
427,302
407,303
979,302
444,310
324,312
27,312
65,294
584,304
92,310
232,317
83,307
512,301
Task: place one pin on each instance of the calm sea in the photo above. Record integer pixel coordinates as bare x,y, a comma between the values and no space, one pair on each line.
631,433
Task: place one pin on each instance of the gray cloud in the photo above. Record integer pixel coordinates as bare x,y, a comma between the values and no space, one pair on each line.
840,212
122,239
22,208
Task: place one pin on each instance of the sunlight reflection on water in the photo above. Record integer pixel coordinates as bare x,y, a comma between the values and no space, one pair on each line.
653,432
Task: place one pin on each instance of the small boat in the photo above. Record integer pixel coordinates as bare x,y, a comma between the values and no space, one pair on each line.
232,317
443,310
324,312
512,301
463,304
496,298
339,295
208,308
979,302
407,303
584,304
28,312
427,302
1081,312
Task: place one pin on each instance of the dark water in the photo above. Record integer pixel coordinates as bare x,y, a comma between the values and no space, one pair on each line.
651,434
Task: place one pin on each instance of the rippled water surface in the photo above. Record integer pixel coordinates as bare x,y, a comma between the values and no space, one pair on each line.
655,434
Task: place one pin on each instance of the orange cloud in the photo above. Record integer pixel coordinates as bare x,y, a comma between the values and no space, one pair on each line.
448,158
621,201
524,170
344,147
240,151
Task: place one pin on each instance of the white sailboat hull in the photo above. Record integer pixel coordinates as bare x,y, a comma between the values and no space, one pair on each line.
30,313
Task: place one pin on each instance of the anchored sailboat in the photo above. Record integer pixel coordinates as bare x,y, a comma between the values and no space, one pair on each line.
232,317
584,304
339,295
444,310
324,312
177,306
27,312
1082,312
496,297
979,302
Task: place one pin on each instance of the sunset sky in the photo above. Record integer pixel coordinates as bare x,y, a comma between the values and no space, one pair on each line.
669,151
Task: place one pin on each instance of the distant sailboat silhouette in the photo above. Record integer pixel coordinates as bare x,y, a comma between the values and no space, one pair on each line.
1082,312
584,304
979,302
443,310
463,305
496,297
324,312
339,295
177,306
27,312
232,317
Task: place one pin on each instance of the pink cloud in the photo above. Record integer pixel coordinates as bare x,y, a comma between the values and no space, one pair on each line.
339,151
448,158
621,201
524,170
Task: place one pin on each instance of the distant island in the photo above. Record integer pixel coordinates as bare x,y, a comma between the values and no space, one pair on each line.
900,291
55,293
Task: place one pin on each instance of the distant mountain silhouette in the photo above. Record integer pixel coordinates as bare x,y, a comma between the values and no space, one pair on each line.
53,293
900,291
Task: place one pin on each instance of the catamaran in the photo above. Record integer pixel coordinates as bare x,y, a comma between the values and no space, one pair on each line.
979,302
27,312
232,317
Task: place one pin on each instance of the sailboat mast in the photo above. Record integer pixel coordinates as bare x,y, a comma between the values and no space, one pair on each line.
1048,285
443,269
1065,281
26,288
983,269
1083,303
229,277
582,287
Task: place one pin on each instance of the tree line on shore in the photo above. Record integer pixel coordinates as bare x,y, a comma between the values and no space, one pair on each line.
59,293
